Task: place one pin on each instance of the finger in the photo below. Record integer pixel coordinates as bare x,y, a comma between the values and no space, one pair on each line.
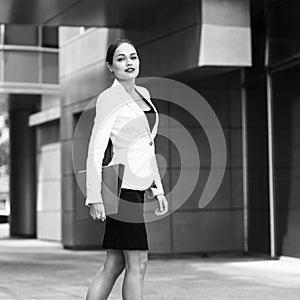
92,215
165,208
160,205
166,205
102,215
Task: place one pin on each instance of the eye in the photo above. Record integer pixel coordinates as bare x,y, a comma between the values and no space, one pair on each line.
120,59
133,57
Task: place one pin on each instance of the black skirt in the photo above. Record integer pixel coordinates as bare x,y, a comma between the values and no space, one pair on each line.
122,234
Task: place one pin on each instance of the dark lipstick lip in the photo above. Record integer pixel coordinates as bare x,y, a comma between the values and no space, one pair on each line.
133,69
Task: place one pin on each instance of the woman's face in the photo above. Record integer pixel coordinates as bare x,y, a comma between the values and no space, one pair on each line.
126,64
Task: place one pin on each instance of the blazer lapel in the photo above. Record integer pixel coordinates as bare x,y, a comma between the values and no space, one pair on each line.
147,98
134,106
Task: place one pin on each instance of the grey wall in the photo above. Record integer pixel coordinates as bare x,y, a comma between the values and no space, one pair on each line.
219,226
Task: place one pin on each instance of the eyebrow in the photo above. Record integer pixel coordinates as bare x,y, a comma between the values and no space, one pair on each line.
124,54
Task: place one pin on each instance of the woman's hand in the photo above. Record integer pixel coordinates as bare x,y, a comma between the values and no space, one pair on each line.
162,205
97,211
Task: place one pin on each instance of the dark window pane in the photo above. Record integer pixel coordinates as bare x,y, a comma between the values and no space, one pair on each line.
284,31
258,197
287,159
50,37
20,66
50,68
21,35
258,32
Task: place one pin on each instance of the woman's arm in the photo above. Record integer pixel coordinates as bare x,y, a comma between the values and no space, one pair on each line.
103,124
158,193
157,187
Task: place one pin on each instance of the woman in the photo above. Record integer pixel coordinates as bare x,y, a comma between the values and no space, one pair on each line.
123,115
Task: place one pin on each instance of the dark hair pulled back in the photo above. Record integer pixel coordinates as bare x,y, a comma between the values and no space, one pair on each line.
113,46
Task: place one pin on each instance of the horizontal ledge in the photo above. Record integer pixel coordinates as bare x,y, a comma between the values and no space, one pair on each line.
78,36
45,116
29,88
28,48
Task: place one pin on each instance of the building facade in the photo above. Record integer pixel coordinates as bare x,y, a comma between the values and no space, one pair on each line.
243,58
29,84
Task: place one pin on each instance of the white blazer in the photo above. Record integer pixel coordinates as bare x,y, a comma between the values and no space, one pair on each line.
121,119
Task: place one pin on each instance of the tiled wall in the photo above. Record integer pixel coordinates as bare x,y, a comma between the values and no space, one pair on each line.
218,226
49,200
49,192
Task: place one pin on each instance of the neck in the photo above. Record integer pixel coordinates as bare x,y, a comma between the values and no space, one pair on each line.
128,85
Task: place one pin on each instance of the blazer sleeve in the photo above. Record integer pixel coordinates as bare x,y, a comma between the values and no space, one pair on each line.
157,187
102,127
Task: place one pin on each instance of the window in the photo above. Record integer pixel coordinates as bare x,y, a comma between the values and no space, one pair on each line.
284,31
21,35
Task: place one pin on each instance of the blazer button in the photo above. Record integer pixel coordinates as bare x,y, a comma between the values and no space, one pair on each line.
151,143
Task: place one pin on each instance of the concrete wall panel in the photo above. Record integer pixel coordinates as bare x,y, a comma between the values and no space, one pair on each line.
49,197
226,12
49,163
235,148
67,162
68,229
237,188
222,199
235,108
49,225
225,33
237,231
202,231
67,193
170,18
160,235
171,54
86,83
225,46
76,57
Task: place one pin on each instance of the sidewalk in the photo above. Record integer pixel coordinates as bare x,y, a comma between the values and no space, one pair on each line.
34,269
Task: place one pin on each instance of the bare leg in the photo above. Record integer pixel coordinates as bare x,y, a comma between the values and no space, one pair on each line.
136,264
106,277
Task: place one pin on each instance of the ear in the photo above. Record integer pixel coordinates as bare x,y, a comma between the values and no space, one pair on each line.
109,67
